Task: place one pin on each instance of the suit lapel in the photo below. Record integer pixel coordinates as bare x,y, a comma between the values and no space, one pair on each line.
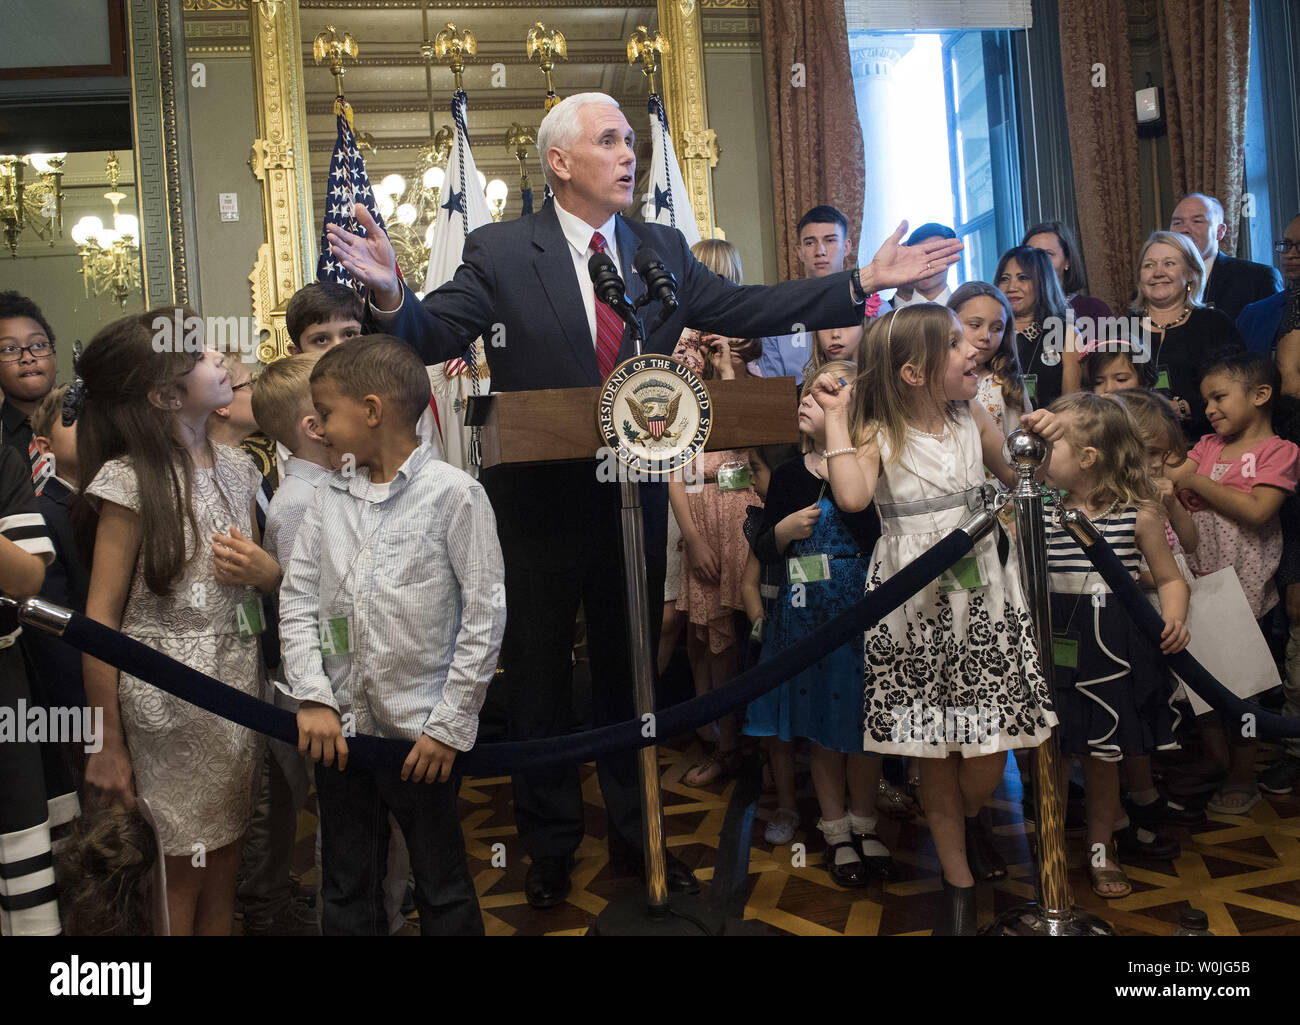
554,266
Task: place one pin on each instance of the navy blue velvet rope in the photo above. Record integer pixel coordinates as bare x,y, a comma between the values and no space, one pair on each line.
141,661
1268,725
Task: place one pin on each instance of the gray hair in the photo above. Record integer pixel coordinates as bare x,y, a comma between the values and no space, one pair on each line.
1192,263
561,125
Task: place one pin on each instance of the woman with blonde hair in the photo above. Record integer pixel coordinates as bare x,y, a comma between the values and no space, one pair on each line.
1179,334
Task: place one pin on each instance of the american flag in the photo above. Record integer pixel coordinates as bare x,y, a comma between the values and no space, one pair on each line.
347,184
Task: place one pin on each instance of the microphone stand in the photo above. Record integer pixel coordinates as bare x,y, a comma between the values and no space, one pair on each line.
687,915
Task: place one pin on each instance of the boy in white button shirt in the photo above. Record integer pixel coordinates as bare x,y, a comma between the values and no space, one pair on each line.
392,612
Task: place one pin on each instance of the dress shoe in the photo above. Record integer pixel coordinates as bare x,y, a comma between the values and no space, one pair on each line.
547,882
956,911
679,877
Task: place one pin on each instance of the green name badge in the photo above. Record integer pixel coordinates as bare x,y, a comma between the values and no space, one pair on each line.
1065,650
808,569
249,618
1031,387
965,575
733,477
1162,378
336,636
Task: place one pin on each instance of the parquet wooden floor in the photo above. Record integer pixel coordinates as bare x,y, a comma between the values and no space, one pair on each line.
1243,872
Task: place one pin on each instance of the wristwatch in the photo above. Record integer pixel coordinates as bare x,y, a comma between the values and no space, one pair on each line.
859,295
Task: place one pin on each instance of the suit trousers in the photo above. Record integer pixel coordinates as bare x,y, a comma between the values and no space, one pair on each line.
560,532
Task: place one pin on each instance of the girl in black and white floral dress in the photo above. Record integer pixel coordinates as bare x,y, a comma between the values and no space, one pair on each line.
952,674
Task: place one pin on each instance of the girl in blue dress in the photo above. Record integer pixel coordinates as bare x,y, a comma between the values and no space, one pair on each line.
823,553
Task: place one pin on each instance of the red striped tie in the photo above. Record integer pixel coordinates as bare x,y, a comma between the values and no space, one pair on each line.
609,328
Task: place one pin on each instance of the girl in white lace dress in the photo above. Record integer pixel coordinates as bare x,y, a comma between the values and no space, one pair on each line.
158,493
952,675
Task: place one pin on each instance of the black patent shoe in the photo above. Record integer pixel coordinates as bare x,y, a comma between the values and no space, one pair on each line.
985,862
1131,847
852,875
956,911
880,866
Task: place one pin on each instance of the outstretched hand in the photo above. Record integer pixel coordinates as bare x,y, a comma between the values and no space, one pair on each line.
896,264
371,259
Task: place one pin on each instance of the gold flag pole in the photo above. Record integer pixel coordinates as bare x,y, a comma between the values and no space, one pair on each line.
543,46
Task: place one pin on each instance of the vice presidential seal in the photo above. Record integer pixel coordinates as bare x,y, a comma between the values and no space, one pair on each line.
655,414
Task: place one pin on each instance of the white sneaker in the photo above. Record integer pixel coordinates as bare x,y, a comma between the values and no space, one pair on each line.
780,831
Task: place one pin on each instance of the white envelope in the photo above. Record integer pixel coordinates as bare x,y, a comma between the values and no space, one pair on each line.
1226,639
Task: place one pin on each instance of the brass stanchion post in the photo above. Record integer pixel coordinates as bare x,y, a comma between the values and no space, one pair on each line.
1055,915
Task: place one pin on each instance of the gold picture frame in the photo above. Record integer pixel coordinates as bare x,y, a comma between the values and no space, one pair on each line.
164,171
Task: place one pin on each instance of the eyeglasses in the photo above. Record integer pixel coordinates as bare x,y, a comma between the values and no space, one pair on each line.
1284,246
246,384
37,350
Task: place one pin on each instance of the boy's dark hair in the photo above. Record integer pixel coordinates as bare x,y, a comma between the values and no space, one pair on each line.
774,456
823,215
931,229
377,365
15,304
319,303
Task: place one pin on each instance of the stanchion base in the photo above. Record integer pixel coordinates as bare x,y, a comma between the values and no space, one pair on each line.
1032,920
690,915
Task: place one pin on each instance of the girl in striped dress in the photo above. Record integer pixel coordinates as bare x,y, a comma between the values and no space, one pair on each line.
1111,695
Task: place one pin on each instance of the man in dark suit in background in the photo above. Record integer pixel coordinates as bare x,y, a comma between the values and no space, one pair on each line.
1230,284
524,287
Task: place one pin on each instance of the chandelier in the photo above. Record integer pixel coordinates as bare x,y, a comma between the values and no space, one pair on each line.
110,257
38,204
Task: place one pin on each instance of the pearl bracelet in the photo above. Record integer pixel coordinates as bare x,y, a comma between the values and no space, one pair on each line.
837,452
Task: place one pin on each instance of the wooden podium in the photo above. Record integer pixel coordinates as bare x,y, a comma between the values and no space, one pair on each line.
559,425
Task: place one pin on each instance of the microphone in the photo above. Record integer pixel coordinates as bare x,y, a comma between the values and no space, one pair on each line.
609,285
659,280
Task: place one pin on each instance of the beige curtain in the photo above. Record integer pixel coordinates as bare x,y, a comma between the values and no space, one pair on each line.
812,116
1205,49
1103,143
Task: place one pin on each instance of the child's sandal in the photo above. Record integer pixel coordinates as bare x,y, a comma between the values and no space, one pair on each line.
1109,874
715,767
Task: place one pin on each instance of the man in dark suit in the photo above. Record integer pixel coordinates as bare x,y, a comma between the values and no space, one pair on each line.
525,288
1230,284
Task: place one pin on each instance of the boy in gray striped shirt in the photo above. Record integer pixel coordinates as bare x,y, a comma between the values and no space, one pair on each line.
392,613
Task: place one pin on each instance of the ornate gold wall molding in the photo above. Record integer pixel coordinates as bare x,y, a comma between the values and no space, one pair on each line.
163,172
285,261
688,112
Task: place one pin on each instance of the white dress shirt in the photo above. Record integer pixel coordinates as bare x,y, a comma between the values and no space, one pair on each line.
917,298
416,566
578,233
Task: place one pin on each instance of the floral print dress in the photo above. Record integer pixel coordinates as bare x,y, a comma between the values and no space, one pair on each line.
950,670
